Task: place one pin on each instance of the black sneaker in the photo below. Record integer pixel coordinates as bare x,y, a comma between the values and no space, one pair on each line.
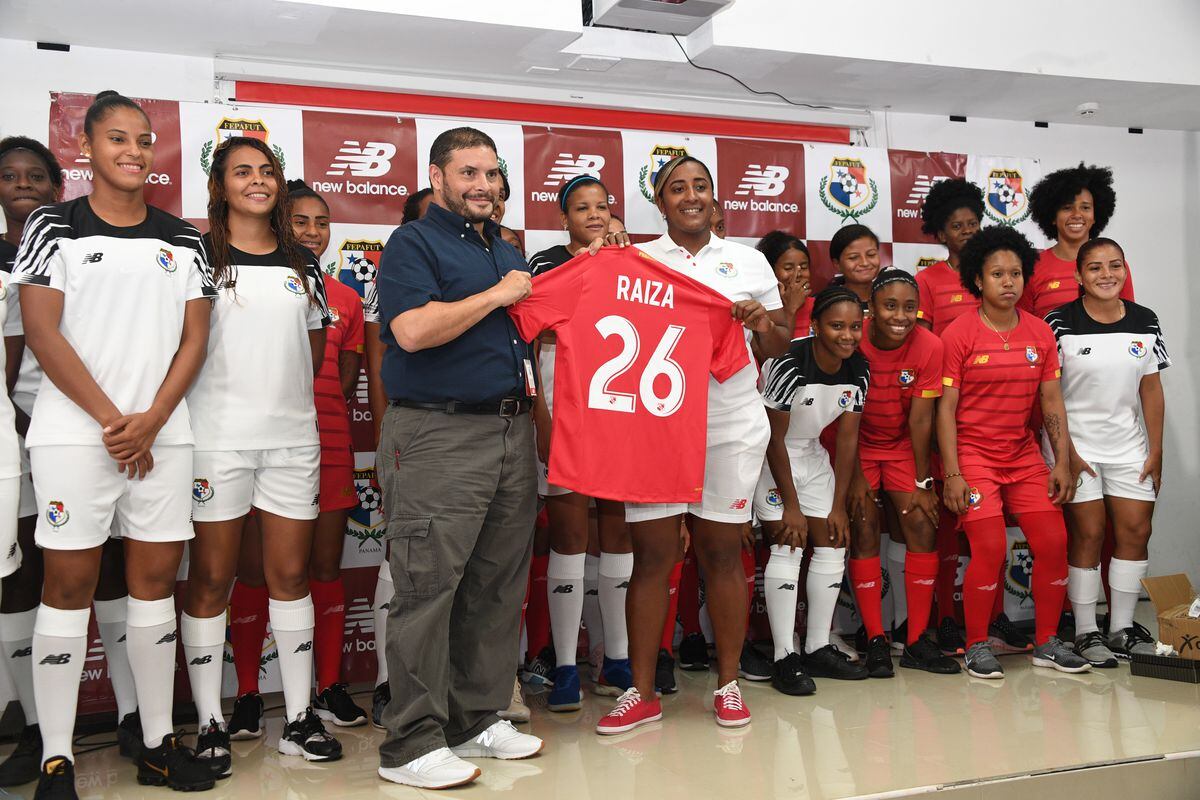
379,700
538,671
752,665
788,676
334,704
693,653
1005,637
24,764
172,764
950,638
129,736
56,780
1134,640
664,674
212,748
246,721
861,639
307,737
1066,628
879,658
829,662
923,654
899,637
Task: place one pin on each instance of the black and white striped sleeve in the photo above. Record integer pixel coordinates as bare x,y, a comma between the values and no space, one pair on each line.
200,283
38,261
1161,360
783,380
861,372
371,303
318,312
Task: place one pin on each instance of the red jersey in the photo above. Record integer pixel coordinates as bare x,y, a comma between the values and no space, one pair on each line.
1054,284
637,341
346,333
943,297
803,320
998,388
914,369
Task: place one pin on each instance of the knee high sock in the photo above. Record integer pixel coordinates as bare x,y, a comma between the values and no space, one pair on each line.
292,624
689,594
897,552
1083,589
1047,535
615,572
111,621
59,646
981,580
247,630
823,586
920,575
329,632
591,605
16,637
537,616
998,600
866,578
152,640
781,576
564,587
1125,582
385,591
668,637
947,550
204,649
750,570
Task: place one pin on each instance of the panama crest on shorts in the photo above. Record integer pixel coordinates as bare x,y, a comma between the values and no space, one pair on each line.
57,514
202,490
975,497
774,499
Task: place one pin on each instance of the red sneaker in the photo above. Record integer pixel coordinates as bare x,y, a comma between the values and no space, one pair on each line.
630,712
727,703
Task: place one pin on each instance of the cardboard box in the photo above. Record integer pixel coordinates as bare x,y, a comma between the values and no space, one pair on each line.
1172,595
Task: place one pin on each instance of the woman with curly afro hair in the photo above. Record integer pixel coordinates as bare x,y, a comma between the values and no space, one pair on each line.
951,214
999,366
1071,206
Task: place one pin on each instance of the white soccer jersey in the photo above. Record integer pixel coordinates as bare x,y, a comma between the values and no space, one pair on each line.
255,391
794,383
1102,370
29,376
124,295
739,273
10,455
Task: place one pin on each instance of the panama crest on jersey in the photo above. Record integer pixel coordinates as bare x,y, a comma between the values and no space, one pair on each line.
57,514
166,260
727,269
1031,354
848,190
293,285
1137,348
660,156
846,399
202,490
228,128
907,376
1007,202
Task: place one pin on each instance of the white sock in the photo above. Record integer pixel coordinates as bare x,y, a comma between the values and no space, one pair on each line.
385,590
16,637
110,620
780,580
564,593
592,620
823,586
59,647
292,624
204,649
151,636
1083,587
1125,585
896,553
615,572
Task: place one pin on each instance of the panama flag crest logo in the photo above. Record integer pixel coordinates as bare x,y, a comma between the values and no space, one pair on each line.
660,155
228,128
847,190
1007,202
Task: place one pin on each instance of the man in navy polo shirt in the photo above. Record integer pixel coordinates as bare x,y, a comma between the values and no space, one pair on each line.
457,468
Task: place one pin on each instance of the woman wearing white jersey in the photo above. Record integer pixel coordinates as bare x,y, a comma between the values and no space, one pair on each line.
1112,351
115,299
256,440
737,440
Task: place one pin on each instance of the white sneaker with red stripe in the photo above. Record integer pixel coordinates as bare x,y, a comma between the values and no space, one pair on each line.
727,703
630,712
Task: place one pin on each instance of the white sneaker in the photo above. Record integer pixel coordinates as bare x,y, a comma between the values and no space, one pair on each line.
501,740
439,769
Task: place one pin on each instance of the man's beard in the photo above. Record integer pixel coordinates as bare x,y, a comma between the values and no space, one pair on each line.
459,206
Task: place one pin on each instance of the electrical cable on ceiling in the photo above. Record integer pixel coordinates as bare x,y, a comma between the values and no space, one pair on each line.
742,83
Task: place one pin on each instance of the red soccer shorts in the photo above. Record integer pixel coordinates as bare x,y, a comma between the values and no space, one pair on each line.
893,475
337,487
1016,490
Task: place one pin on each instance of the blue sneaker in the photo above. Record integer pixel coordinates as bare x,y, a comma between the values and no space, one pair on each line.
615,677
565,696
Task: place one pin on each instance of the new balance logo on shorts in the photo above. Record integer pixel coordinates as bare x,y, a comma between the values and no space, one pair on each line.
563,588
169,638
12,550
304,647
57,659
24,652
93,258
201,660
316,500
739,504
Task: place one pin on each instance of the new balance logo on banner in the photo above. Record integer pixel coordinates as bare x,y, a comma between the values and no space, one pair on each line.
363,161
768,181
568,166
921,187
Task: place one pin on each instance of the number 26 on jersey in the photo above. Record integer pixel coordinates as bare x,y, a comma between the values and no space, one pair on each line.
603,397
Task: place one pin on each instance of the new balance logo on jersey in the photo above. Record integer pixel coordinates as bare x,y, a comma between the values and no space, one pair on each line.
768,181
370,160
1084,351
93,258
56,660
569,166
24,652
304,647
168,639
563,588
787,587
201,660
808,401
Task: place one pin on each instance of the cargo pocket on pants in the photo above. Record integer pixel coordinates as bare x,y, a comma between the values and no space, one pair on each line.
414,558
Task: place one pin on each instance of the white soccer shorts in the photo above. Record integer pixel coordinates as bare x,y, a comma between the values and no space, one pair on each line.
285,481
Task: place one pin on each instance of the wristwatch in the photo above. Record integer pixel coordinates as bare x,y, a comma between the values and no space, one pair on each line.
925,484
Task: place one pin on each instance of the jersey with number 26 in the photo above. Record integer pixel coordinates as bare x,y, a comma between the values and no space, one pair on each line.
637,341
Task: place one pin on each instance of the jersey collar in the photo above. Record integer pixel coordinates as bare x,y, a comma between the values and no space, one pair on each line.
715,243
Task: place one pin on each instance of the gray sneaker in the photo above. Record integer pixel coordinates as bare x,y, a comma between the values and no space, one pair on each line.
981,663
1092,647
1131,640
1056,655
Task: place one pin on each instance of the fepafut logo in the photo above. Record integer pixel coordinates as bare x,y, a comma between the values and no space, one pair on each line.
847,190
1007,203
166,260
358,260
924,262
846,399
660,155
293,285
365,524
228,128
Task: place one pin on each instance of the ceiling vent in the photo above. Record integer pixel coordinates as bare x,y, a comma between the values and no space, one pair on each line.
657,16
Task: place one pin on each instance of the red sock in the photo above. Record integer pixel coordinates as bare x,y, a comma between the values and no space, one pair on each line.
947,550
866,577
668,637
329,630
1047,536
750,569
921,571
689,595
247,629
998,601
981,583
537,616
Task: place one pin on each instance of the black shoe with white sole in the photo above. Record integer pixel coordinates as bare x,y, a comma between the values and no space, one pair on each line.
334,705
212,748
246,721
306,737
752,666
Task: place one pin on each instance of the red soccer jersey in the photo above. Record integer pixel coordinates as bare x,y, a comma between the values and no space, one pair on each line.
346,333
1053,284
914,369
943,298
637,341
998,388
804,320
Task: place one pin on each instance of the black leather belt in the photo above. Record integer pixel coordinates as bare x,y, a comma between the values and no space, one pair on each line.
508,407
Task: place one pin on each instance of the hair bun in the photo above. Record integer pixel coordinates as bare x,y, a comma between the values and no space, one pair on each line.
107,93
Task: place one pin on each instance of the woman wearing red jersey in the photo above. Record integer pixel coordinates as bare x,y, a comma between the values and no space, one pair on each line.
788,256
951,214
895,437
999,364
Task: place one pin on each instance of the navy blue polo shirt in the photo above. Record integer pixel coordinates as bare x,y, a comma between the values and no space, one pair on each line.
441,257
